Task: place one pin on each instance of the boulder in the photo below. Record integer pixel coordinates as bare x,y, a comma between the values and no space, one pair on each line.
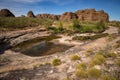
6,13
30,14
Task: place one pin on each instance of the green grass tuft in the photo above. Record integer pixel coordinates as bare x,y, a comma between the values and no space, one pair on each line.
56,62
75,57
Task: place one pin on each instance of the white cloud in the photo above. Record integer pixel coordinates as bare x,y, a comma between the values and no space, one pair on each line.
61,2
29,1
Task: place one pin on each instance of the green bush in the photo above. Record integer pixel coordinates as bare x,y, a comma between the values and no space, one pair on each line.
56,62
75,57
94,73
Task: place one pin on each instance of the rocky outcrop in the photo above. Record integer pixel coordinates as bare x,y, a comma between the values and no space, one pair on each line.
48,16
92,15
68,16
82,15
14,38
30,14
6,13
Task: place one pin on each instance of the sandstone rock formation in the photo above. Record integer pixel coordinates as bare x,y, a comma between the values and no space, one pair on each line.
92,15
82,15
6,13
68,16
49,16
30,14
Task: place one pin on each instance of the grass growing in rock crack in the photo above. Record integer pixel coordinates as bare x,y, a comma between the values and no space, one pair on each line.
75,57
98,59
110,54
81,66
81,73
56,62
94,73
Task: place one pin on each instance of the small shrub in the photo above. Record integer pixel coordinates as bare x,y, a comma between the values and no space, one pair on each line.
94,73
75,27
56,62
81,66
98,59
81,73
107,77
110,54
75,57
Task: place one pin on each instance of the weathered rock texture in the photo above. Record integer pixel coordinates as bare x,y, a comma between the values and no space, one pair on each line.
49,16
92,15
82,15
6,13
68,16
30,14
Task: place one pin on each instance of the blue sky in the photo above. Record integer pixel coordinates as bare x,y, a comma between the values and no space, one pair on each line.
21,7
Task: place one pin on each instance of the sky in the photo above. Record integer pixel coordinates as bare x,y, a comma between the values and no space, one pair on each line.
21,7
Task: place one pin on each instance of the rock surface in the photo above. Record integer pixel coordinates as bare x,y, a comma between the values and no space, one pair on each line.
68,16
6,13
30,14
82,15
49,16
92,15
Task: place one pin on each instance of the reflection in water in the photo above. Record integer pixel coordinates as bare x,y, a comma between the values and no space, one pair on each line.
44,48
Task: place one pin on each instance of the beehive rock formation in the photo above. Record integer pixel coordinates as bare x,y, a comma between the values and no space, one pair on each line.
68,16
92,15
6,13
82,15
49,16
30,14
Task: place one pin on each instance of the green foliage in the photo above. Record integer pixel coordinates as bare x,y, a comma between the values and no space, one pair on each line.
76,25
93,27
83,38
101,26
94,73
75,57
56,62
23,22
107,77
